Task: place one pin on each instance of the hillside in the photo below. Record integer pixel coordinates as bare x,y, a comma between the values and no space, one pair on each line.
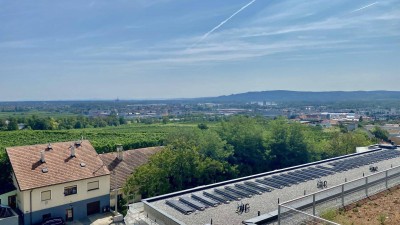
299,96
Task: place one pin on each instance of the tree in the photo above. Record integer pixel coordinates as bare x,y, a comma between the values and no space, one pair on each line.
5,167
165,120
285,145
12,124
380,133
246,136
190,159
122,120
202,126
346,143
3,125
78,125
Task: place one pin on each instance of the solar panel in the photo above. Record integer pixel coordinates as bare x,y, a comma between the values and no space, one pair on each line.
228,194
185,209
249,189
303,171
193,203
217,197
286,179
326,168
242,193
259,186
317,172
299,179
270,184
205,200
297,174
362,160
281,182
324,171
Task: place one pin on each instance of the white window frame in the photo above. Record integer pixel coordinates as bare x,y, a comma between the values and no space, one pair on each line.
93,182
44,192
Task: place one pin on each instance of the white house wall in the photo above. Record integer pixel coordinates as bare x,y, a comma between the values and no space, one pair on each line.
57,194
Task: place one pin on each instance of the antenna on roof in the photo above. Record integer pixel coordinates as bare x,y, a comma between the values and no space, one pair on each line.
42,159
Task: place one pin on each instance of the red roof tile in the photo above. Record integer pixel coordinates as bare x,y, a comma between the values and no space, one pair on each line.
62,168
121,169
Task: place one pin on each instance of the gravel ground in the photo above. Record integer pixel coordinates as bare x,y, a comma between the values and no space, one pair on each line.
267,202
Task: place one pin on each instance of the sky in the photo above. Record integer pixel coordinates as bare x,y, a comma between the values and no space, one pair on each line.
159,49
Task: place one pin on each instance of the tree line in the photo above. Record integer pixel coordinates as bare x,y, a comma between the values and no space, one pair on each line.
64,123
239,146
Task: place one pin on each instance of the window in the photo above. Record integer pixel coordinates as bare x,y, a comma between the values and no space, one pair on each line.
70,190
45,217
93,185
46,195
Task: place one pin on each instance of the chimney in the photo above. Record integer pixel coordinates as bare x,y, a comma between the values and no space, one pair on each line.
72,151
120,152
42,159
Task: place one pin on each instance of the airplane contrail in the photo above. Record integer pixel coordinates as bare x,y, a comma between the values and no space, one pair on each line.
222,23
364,7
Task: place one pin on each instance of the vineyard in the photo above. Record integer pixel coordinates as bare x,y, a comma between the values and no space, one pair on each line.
103,139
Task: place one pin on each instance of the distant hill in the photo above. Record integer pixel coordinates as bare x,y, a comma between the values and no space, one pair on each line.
300,96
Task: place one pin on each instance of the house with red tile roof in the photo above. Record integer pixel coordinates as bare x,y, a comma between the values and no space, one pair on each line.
67,180
121,165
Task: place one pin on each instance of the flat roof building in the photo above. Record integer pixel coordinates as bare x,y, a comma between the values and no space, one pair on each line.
254,199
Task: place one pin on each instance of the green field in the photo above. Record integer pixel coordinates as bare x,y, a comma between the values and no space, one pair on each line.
39,114
103,139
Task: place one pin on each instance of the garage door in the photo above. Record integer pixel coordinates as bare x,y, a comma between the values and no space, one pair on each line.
93,208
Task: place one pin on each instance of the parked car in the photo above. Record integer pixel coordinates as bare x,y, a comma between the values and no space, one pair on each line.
54,221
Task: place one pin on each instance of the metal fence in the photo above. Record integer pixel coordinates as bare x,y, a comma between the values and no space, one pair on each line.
292,216
311,206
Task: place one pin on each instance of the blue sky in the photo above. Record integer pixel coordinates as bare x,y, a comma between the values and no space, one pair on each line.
151,49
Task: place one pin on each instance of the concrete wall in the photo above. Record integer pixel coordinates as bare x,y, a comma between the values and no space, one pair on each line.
137,197
57,194
4,197
79,210
161,217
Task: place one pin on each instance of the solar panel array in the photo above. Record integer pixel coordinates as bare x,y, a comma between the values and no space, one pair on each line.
5,212
351,163
247,189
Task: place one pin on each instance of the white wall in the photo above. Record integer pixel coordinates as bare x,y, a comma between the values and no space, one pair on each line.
57,194
4,197
19,197
137,197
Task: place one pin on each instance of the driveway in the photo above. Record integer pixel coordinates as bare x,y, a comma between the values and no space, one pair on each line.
98,219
